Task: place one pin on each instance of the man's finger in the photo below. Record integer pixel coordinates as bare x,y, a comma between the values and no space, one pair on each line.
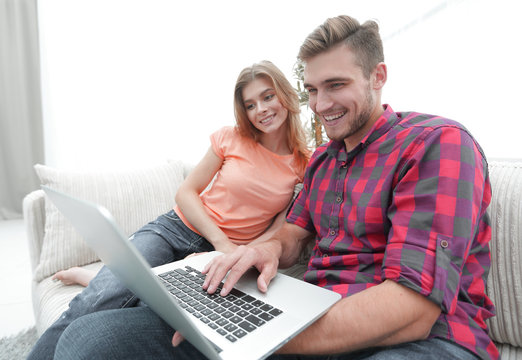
218,268
249,259
267,274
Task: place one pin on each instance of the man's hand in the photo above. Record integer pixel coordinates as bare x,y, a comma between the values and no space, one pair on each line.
263,256
225,247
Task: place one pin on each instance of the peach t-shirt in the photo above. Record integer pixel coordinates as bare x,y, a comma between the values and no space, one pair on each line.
252,186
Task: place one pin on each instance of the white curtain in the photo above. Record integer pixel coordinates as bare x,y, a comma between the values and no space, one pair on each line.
21,128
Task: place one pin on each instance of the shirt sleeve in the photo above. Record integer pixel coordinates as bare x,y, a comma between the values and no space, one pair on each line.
219,140
437,212
299,213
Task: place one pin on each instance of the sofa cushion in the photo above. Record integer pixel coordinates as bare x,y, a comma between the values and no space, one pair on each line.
51,298
134,198
504,285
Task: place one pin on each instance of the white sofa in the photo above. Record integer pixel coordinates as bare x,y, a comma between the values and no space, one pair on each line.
135,197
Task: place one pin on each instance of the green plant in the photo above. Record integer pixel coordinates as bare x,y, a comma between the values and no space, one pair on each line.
314,126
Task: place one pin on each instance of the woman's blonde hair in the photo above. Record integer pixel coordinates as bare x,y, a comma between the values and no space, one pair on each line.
286,95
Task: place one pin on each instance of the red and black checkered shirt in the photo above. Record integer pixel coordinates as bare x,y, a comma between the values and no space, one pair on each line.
408,203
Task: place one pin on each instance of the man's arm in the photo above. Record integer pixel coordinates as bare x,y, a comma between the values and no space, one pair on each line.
385,314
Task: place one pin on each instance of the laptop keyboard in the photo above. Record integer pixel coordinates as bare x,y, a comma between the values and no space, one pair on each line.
232,316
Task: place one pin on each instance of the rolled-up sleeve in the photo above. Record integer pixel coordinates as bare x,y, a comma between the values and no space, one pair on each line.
438,206
299,213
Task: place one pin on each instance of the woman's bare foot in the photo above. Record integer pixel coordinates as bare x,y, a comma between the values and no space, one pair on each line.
74,275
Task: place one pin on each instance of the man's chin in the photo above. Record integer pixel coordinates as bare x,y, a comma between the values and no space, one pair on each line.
335,136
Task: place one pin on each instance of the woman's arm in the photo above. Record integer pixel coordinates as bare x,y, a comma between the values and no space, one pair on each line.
278,222
190,204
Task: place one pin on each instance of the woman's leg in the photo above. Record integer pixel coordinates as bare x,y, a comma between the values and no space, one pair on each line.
133,333
161,241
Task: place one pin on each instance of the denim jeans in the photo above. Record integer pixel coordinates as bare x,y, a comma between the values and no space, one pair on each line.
138,333
161,241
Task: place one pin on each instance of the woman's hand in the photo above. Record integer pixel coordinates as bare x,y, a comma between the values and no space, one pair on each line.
177,338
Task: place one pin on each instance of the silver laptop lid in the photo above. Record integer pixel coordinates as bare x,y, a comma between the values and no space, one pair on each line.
96,225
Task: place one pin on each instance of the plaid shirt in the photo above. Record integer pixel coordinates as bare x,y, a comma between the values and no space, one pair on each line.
407,204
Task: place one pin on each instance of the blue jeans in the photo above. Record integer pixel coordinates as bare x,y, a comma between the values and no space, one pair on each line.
138,333
160,242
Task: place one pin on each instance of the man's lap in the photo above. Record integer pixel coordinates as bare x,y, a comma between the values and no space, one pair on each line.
139,333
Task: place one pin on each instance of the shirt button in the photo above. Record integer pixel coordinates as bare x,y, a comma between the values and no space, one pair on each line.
332,232
339,199
325,255
444,244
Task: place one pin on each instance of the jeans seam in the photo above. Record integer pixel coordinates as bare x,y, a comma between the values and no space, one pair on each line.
128,301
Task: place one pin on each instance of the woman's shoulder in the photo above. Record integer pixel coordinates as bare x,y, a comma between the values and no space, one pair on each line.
227,132
228,137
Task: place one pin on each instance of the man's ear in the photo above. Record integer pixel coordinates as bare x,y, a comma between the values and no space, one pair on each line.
379,76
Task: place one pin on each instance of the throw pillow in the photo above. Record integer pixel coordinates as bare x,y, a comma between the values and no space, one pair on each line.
133,197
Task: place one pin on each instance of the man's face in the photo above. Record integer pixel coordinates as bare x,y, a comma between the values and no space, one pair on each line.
346,102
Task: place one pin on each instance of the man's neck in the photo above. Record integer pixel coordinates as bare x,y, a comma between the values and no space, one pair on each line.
352,141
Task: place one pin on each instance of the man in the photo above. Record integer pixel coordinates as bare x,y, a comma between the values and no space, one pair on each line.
396,204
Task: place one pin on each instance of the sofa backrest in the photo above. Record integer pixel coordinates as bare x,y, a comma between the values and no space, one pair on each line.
504,285
134,197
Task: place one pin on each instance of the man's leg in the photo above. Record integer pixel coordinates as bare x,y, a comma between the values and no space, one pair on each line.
431,349
133,333
138,333
161,241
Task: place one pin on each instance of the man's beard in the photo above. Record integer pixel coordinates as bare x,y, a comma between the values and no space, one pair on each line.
360,119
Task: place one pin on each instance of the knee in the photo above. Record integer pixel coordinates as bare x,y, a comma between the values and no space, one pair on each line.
80,340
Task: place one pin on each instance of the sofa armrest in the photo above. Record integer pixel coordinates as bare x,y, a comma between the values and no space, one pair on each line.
34,219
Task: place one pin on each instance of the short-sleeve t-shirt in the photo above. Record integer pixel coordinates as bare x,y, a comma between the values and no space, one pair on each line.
252,186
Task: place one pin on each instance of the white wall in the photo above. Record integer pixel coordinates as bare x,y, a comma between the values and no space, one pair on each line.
133,82
463,63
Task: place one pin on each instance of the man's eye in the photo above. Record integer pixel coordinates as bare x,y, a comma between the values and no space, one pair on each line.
311,90
336,85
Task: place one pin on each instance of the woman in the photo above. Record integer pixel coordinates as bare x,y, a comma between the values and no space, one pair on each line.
253,168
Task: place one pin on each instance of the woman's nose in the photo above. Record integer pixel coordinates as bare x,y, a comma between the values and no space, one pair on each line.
261,107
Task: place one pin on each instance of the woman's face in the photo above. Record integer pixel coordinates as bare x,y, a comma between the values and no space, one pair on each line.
262,106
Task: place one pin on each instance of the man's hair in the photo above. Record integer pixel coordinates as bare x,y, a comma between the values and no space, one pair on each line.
364,40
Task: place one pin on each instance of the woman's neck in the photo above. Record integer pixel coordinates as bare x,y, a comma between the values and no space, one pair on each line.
276,142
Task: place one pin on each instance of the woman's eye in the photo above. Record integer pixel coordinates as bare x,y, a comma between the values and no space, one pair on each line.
250,106
269,97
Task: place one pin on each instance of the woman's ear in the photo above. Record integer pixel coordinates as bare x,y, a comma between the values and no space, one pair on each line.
380,75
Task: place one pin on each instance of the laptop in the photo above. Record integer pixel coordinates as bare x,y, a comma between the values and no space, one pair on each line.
246,324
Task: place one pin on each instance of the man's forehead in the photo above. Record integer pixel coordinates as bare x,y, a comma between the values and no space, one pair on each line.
339,62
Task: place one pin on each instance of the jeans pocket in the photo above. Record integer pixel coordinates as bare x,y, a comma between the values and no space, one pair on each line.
172,216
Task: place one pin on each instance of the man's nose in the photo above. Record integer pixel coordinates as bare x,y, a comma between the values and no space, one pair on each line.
322,102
